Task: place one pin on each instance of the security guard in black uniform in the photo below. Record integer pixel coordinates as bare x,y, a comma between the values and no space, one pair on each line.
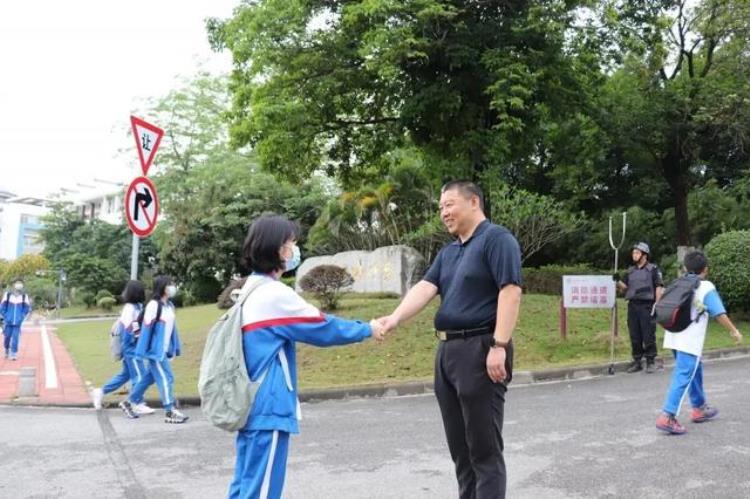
643,287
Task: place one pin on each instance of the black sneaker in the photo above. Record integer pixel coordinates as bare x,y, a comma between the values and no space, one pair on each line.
127,408
650,367
175,417
635,366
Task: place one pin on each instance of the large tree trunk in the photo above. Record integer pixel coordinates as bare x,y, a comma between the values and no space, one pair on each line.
675,171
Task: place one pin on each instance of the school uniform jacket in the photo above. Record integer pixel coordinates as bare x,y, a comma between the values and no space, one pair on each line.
124,328
151,344
15,308
274,318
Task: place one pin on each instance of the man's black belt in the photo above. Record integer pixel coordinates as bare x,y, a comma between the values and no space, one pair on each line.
456,334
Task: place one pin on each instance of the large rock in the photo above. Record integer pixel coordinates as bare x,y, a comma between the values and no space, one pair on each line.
390,269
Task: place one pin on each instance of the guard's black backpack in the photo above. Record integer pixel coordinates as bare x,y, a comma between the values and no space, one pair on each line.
672,311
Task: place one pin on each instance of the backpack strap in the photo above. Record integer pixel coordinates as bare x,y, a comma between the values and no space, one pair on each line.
243,297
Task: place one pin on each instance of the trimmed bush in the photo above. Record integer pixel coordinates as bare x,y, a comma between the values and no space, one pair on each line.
327,283
87,298
547,280
103,294
106,303
225,298
729,268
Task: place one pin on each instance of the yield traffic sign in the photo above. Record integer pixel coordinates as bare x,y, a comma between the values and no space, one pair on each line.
147,139
141,206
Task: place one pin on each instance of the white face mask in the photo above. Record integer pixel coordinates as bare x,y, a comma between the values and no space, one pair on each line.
171,291
18,286
295,260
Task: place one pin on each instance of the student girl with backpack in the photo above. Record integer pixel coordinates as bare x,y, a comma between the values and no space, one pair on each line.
274,319
15,306
158,343
126,330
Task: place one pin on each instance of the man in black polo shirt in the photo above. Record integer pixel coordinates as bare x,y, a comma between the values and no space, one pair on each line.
478,278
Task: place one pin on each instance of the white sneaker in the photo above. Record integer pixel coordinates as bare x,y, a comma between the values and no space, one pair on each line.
142,409
175,417
96,396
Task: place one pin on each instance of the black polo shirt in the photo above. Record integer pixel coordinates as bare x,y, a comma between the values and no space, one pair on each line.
469,276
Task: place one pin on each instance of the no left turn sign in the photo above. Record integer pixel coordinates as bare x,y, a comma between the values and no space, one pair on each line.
141,206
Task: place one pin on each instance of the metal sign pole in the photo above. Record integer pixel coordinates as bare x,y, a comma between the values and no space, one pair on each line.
616,249
134,258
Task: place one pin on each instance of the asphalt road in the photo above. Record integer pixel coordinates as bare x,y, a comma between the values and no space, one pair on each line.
589,438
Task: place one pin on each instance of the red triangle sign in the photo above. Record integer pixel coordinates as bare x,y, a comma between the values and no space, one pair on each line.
147,139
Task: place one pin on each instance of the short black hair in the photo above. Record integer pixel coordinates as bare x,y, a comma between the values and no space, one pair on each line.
695,262
160,286
265,237
467,188
134,292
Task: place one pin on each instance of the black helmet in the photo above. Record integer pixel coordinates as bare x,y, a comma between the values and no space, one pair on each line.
642,247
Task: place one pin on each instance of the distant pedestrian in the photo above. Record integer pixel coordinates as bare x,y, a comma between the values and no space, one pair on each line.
158,342
14,307
643,287
687,346
127,330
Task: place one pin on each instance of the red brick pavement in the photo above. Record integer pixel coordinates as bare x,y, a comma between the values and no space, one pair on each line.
70,389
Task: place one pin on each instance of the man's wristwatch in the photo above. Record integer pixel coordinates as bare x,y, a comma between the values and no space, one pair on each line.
494,343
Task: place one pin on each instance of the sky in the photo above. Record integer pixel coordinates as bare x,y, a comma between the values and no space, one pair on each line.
71,74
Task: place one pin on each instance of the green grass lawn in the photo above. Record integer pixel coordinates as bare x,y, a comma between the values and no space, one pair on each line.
408,355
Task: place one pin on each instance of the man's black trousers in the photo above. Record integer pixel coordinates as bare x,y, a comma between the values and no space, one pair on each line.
472,409
642,330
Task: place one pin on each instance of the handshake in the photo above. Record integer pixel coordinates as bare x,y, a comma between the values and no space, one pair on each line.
382,326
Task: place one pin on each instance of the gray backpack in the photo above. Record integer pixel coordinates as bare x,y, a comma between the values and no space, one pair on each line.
115,342
226,392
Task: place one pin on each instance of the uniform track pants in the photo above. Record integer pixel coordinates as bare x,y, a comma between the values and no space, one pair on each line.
261,464
11,338
159,372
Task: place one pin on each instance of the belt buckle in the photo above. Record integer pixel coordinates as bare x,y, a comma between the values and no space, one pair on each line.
441,335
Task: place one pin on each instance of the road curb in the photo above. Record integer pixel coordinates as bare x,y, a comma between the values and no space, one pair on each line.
420,387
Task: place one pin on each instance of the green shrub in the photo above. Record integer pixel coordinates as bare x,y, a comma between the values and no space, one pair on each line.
87,298
327,283
203,289
42,291
106,303
289,281
103,293
547,280
728,259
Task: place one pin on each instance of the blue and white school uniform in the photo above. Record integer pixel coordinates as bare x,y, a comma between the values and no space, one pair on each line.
687,345
158,342
274,318
133,370
15,307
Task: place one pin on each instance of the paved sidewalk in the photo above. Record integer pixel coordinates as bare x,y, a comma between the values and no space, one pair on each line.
57,380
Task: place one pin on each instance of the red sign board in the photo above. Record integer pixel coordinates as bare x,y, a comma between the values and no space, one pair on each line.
147,140
141,206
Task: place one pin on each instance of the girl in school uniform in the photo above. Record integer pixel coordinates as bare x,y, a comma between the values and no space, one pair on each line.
128,329
159,342
274,319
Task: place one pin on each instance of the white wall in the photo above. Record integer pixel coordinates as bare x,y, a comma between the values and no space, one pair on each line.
11,218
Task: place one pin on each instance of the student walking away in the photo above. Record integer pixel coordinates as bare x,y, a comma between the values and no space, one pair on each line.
158,342
274,319
126,331
643,287
478,278
687,346
14,307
